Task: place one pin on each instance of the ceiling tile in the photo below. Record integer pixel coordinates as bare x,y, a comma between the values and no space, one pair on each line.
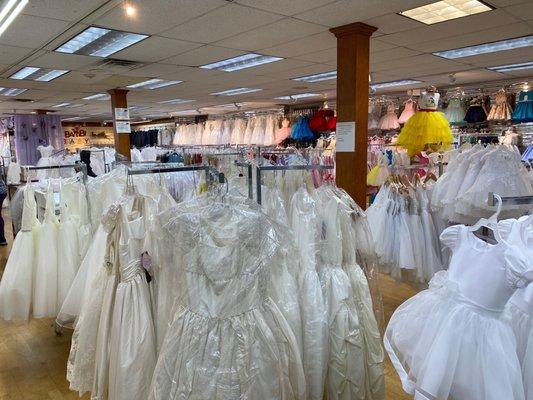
203,55
278,32
154,49
392,55
459,26
66,10
62,61
505,3
275,67
347,11
221,23
325,56
304,71
523,11
285,7
379,45
392,23
11,54
157,16
153,70
310,44
32,32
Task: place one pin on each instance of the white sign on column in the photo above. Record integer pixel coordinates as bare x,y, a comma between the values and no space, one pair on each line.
345,137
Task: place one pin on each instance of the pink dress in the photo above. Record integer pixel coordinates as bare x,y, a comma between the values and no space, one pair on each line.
284,132
408,111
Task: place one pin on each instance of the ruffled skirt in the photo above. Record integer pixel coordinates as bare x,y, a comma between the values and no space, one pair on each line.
425,129
444,347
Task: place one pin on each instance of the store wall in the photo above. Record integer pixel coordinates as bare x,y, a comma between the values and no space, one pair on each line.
34,130
86,135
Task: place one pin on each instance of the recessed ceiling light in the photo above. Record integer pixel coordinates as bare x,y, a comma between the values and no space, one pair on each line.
11,91
493,47
298,96
153,84
404,82
38,74
100,42
445,10
98,96
241,62
67,105
186,112
10,11
512,67
138,108
71,119
317,77
234,92
175,101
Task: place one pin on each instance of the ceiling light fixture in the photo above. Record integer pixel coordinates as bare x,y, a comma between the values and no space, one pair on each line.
67,105
512,67
130,9
248,60
98,96
175,101
234,92
100,42
317,77
298,96
404,82
71,119
446,10
153,84
11,91
38,74
10,12
493,47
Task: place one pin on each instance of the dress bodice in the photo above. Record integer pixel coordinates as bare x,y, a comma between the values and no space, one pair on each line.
224,252
526,95
486,275
46,151
454,103
429,101
29,210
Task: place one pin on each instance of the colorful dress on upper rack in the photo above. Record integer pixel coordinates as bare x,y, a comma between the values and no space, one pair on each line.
301,131
448,341
455,112
501,110
389,121
427,128
284,132
408,111
476,111
524,108
374,111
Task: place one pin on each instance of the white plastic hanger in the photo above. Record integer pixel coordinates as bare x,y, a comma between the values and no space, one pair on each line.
491,222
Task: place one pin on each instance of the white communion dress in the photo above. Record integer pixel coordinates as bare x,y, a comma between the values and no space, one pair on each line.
45,161
449,341
227,339
16,285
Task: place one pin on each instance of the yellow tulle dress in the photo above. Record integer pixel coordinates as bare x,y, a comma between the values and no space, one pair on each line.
427,129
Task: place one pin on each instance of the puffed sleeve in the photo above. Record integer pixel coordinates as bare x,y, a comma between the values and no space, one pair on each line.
450,236
519,267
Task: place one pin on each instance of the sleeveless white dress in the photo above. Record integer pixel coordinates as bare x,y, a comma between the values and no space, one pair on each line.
16,285
226,338
448,341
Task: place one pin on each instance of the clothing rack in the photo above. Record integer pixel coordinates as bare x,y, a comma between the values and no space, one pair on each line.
260,168
248,166
80,165
211,173
107,167
510,200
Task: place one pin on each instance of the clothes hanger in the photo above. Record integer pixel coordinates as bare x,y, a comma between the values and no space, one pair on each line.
490,222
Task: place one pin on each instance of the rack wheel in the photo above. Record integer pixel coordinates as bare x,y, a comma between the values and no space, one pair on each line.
58,329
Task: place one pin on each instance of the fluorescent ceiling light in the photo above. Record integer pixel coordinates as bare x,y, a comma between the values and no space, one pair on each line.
153,84
512,67
298,96
317,77
493,47
404,82
11,91
100,42
61,105
187,112
98,96
241,62
175,101
234,92
71,119
67,105
445,10
10,12
138,108
38,74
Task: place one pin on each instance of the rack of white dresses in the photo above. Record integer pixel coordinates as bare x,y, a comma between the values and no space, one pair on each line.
211,173
107,167
80,165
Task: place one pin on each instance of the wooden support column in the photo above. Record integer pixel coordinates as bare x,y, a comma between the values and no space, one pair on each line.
122,140
353,67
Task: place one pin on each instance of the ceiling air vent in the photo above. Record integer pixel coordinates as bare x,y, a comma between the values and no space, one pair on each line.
24,100
114,64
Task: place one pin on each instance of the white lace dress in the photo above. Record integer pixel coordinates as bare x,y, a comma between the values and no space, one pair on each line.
226,338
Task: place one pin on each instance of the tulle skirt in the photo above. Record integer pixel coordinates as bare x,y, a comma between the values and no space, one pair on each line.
248,356
455,115
425,128
45,288
475,114
500,112
389,122
523,111
16,290
68,258
444,347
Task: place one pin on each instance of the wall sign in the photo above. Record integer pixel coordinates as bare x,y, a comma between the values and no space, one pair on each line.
123,126
122,114
345,137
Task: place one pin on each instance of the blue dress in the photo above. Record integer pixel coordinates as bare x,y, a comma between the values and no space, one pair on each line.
524,108
301,130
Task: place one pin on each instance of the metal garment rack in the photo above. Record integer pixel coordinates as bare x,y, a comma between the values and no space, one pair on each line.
36,168
248,166
510,200
211,173
260,168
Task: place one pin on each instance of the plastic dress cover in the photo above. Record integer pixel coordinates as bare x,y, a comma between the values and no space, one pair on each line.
226,338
